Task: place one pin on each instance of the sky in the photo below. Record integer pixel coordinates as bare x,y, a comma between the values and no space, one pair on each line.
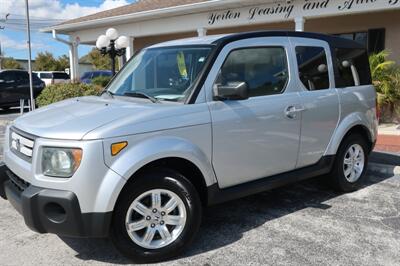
43,13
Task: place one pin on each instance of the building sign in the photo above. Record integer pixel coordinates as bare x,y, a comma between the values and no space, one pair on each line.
285,10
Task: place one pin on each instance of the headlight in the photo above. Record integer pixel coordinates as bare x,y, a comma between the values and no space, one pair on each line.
60,162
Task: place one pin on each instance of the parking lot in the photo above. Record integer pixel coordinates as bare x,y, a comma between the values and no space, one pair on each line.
301,224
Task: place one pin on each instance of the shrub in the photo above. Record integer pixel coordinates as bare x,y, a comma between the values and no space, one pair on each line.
58,92
386,78
101,81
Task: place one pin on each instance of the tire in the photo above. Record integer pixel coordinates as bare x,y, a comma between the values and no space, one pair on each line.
340,177
158,181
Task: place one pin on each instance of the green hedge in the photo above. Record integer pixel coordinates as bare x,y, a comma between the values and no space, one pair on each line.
58,92
101,81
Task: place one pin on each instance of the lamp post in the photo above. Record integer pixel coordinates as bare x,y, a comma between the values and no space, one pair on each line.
113,45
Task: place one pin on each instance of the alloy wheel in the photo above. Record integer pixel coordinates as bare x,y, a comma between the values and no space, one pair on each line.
156,218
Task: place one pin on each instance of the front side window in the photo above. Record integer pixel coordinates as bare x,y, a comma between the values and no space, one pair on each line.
353,67
264,69
7,76
22,77
162,73
313,67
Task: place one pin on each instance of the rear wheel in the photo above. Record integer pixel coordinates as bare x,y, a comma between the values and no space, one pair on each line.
156,217
350,164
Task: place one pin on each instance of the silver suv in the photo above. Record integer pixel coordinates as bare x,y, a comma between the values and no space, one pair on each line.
187,124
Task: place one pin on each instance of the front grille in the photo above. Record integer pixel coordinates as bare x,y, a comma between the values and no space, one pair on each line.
19,183
21,145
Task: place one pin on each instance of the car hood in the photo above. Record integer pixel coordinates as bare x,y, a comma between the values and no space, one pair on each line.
97,117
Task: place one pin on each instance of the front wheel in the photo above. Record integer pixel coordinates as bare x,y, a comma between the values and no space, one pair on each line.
350,164
156,216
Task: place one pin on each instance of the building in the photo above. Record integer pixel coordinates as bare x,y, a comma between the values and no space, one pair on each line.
82,66
374,23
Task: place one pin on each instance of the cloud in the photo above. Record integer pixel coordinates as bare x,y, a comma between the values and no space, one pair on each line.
7,42
55,9
43,13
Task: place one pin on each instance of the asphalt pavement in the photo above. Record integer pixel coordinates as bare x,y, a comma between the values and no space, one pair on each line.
301,224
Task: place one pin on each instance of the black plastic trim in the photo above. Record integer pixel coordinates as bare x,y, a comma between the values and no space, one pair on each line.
36,205
217,195
3,179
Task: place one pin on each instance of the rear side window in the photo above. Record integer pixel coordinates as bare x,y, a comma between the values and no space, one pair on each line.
353,66
46,75
264,69
57,75
313,67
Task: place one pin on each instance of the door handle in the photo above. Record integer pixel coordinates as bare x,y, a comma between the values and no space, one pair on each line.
291,111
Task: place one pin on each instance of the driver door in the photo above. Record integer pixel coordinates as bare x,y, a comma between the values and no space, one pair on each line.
257,137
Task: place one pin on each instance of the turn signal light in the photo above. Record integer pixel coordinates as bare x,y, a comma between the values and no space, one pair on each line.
118,147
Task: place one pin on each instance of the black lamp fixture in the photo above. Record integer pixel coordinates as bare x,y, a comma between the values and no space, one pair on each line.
113,45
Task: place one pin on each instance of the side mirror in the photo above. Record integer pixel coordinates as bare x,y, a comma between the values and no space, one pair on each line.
238,90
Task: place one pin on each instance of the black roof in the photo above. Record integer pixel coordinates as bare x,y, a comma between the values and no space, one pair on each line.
332,40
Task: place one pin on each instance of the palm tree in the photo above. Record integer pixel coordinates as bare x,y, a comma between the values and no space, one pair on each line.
386,78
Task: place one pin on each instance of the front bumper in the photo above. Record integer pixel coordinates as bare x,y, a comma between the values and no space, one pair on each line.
49,210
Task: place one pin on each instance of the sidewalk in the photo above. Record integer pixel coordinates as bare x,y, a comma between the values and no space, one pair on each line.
388,138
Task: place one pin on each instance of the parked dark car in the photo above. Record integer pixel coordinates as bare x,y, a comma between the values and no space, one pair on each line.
14,85
87,77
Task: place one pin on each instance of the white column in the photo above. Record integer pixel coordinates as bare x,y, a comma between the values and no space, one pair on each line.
75,62
130,49
71,63
201,32
300,23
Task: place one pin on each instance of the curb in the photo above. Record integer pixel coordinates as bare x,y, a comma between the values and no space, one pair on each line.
383,168
385,158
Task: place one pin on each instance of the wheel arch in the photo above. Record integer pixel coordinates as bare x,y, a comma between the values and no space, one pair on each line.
184,167
351,125
178,154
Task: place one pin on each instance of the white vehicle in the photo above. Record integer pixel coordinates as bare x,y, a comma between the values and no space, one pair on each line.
187,124
53,77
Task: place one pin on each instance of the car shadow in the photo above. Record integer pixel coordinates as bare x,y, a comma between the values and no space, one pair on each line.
10,111
226,223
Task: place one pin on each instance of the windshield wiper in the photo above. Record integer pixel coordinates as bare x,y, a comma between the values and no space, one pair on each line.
141,95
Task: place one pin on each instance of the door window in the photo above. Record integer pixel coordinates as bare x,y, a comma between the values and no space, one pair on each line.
22,77
313,67
7,76
264,69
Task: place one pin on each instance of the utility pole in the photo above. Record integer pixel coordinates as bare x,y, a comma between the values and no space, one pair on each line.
28,30
1,54
2,28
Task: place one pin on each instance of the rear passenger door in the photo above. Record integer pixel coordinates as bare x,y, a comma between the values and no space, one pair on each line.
319,96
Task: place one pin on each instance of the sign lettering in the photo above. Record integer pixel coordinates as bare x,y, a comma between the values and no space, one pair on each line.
286,10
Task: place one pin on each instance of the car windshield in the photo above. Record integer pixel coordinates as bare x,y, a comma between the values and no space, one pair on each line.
162,73
86,75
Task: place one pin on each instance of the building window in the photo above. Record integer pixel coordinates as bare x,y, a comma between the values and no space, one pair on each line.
313,67
373,39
